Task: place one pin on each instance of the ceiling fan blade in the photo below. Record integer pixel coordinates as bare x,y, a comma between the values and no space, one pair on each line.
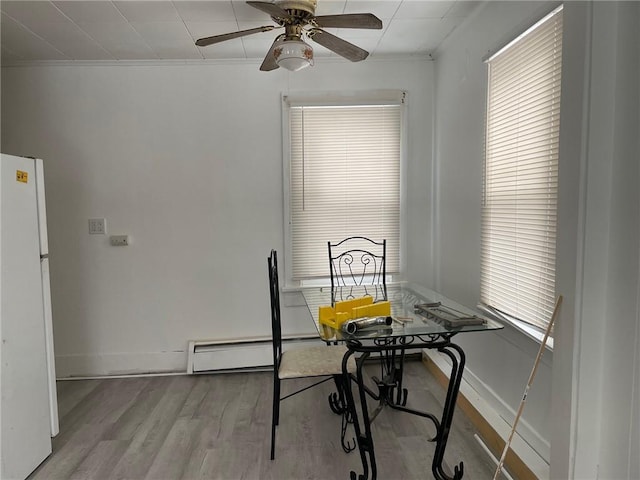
349,20
269,62
271,9
338,45
203,42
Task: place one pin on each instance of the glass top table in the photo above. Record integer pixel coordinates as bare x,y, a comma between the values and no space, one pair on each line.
406,321
421,319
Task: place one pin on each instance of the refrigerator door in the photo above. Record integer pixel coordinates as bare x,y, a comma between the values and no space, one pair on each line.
24,403
46,295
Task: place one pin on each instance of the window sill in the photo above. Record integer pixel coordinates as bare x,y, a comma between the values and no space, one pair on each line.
531,332
326,283
527,330
290,288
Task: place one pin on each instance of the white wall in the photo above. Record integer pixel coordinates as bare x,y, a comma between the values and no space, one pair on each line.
186,158
583,412
498,364
597,421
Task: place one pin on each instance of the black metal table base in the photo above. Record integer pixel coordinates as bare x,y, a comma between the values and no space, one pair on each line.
338,404
391,394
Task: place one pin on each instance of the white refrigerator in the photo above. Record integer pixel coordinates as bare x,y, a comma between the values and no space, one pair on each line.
29,406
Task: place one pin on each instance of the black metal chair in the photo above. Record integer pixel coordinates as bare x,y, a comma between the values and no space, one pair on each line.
358,266
316,361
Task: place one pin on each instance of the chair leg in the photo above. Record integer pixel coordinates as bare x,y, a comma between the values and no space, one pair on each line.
275,416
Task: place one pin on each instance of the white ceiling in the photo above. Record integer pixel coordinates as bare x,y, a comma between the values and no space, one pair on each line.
97,30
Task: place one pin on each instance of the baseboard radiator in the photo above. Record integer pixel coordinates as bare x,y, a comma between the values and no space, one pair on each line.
239,354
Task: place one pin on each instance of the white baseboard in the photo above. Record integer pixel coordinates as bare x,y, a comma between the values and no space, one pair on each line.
200,356
116,364
489,405
540,445
213,355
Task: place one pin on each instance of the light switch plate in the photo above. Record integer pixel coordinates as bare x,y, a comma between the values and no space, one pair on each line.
97,226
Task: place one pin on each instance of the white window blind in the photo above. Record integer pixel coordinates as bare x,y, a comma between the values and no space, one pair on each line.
521,175
344,181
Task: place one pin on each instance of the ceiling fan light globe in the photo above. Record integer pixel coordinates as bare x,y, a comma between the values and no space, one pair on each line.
293,55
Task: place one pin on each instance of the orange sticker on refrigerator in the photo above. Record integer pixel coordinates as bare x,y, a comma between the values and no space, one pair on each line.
22,176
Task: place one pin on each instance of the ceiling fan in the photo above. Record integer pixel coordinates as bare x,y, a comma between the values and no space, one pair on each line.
297,17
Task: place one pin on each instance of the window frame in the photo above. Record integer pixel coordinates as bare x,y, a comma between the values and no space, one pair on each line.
377,97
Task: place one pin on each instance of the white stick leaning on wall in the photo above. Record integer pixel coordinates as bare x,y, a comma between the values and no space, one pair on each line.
526,390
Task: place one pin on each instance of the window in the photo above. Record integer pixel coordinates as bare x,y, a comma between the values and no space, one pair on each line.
521,175
342,171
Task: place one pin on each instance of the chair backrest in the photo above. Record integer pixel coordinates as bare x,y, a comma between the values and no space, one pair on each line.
274,293
357,262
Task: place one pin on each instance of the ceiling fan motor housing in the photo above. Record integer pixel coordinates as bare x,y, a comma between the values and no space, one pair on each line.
301,9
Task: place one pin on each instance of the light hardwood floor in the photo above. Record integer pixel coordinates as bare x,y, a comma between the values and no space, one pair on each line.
218,427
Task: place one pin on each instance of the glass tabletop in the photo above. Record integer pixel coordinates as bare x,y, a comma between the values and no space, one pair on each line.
415,311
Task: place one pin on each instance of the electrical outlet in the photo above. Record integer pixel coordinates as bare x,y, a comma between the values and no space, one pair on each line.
97,226
119,240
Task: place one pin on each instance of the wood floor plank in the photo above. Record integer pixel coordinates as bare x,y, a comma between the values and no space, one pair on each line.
145,401
172,456
228,461
100,460
71,393
67,458
153,431
218,427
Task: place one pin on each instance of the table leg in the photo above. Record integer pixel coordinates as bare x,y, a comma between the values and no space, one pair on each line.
456,354
392,372
402,393
337,399
338,404
363,439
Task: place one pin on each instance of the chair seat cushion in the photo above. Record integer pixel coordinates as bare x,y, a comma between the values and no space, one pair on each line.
314,361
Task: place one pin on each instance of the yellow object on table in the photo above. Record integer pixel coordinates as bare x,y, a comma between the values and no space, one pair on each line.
349,305
327,315
350,309
380,309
